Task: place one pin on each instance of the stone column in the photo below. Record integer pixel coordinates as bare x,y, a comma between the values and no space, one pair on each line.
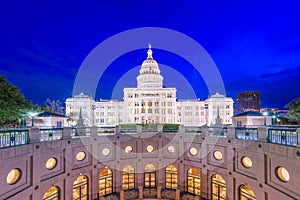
122,195
204,130
160,128
139,129
67,132
117,130
94,131
231,132
298,132
181,129
140,192
34,135
262,133
158,192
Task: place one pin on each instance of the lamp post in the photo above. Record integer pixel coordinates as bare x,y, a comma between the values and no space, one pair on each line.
93,108
32,115
265,120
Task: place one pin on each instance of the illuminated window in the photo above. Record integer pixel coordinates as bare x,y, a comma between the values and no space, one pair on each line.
218,155
128,180
13,176
150,176
52,194
193,183
246,193
128,149
283,174
193,151
171,149
218,187
105,182
80,156
247,162
106,151
171,177
150,148
51,163
80,188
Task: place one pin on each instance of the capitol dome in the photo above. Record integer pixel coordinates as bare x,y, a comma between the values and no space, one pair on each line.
149,76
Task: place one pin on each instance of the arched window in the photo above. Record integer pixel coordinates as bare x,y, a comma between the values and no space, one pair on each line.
149,175
193,181
218,187
105,182
80,188
128,178
52,193
246,193
171,177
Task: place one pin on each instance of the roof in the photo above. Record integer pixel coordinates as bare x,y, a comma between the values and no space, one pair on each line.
49,114
249,113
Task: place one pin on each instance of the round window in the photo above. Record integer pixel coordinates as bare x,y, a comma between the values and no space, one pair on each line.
247,162
80,156
106,151
51,163
171,149
218,155
13,176
283,174
150,148
193,151
128,149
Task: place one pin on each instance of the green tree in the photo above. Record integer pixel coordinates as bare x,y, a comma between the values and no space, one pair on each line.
294,107
13,105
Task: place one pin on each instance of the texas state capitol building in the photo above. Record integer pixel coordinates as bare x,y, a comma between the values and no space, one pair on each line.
150,103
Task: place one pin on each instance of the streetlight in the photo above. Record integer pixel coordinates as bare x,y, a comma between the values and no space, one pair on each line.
265,120
93,108
32,115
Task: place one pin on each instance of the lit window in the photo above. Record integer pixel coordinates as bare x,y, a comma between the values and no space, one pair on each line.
105,182
128,179
171,149
106,151
193,182
149,176
80,188
283,174
246,193
193,151
13,176
171,177
247,162
51,163
80,156
128,149
150,148
218,155
218,187
52,194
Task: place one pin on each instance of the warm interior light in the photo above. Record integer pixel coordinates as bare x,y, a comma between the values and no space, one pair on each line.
247,162
80,156
106,151
218,155
128,149
13,176
193,151
283,174
51,163
171,149
150,148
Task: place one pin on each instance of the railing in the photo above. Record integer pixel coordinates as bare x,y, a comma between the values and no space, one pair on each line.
150,128
170,128
193,130
9,138
218,131
128,128
106,130
51,134
286,136
246,133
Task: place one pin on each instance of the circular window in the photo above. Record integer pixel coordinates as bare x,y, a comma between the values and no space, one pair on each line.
51,163
150,148
128,149
80,156
283,174
218,155
247,162
171,149
106,151
13,176
193,151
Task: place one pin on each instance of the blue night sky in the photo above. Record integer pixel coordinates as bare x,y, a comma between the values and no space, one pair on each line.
255,45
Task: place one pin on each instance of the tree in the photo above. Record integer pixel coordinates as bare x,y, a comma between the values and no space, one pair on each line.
13,105
294,107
